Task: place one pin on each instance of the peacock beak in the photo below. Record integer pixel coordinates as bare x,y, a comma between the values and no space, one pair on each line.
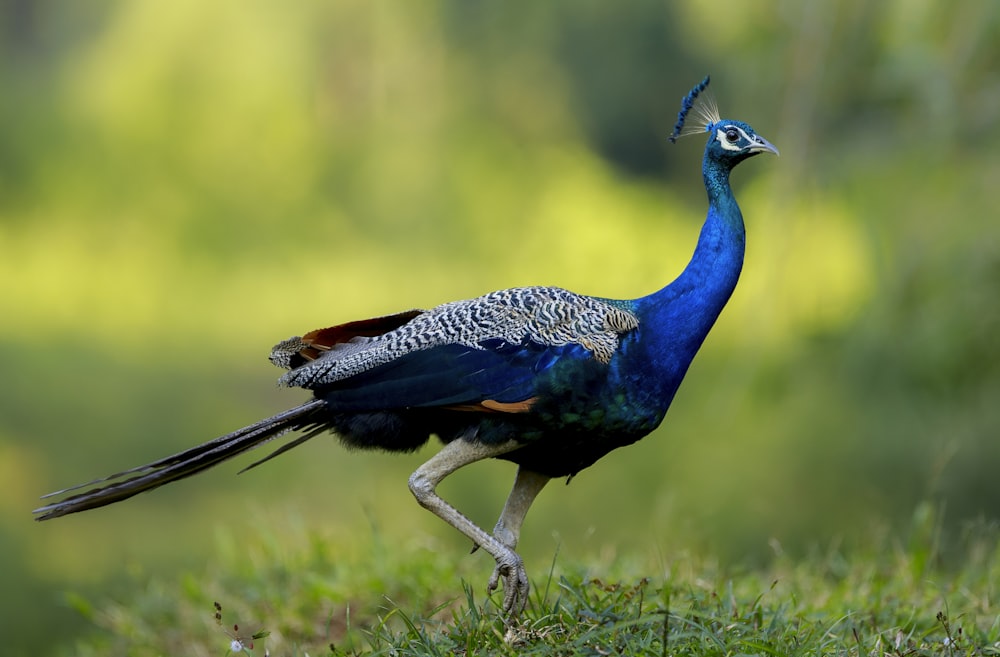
763,146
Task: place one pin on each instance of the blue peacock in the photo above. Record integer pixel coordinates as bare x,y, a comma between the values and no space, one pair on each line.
542,377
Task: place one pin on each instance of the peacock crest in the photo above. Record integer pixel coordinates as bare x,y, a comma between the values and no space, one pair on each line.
704,108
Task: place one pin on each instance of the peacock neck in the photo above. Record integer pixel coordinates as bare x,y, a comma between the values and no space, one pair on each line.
715,267
718,258
681,314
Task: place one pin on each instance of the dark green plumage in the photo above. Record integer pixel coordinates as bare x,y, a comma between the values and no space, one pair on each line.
540,376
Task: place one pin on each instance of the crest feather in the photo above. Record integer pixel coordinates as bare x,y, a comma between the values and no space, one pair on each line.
706,112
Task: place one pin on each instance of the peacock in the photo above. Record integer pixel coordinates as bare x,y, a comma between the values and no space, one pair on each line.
539,376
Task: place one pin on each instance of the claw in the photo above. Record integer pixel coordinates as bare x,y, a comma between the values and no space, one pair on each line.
510,569
494,582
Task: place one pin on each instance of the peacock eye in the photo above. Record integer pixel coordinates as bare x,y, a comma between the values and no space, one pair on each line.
732,134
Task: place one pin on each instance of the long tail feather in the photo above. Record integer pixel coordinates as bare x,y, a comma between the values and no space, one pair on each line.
127,483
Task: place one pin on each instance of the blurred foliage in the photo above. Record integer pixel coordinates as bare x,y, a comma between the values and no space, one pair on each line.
184,184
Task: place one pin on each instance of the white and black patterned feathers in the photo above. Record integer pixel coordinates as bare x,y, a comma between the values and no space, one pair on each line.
548,316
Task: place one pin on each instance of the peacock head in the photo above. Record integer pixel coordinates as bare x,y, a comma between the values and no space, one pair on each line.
730,142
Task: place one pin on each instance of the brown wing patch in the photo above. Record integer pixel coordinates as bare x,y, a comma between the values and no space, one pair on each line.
295,352
509,407
324,339
493,406
316,342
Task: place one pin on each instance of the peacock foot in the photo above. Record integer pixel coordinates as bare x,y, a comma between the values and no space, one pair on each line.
510,570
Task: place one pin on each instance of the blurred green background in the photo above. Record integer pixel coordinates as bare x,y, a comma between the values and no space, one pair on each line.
184,184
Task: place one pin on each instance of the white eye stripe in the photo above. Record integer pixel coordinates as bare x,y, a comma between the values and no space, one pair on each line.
720,135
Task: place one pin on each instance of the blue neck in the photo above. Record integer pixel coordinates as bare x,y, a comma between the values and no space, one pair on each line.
676,319
718,258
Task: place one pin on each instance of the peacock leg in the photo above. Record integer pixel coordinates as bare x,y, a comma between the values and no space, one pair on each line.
424,481
527,485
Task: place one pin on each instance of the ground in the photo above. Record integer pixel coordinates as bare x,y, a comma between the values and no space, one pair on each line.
895,596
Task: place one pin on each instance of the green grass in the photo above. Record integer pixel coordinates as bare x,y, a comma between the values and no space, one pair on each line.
304,595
